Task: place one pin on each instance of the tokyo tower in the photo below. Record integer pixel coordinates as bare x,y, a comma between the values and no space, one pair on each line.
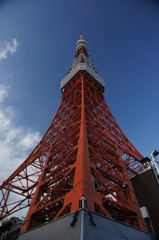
84,160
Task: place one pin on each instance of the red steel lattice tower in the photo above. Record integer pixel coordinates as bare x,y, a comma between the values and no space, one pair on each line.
83,155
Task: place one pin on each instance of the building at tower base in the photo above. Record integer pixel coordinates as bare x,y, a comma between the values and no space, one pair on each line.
85,225
146,188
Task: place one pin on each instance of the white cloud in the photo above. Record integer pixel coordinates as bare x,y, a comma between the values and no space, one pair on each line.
3,92
4,122
8,48
16,142
29,139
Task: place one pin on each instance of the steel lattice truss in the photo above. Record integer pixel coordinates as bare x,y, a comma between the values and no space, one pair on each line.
83,152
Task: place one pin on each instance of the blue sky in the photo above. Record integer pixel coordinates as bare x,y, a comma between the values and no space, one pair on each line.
37,46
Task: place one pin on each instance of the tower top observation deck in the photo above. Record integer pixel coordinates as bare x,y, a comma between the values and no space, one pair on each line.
82,62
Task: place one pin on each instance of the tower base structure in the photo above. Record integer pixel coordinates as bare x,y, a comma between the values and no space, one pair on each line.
85,225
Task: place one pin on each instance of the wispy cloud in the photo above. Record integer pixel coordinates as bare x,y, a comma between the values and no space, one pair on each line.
15,141
7,48
3,92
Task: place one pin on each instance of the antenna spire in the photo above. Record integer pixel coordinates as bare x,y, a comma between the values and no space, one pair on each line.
81,35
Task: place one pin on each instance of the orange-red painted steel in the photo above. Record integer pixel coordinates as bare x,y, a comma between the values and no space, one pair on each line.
83,152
